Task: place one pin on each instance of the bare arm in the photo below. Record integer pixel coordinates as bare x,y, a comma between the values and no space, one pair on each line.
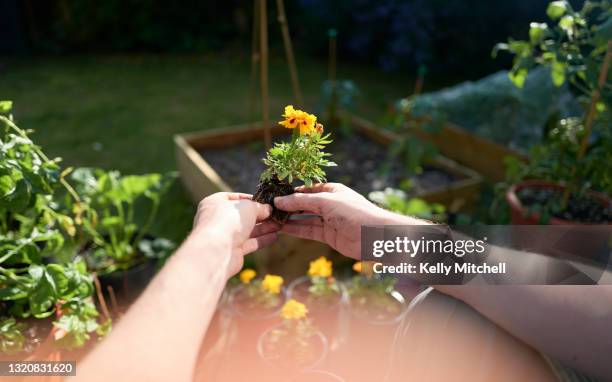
571,323
159,338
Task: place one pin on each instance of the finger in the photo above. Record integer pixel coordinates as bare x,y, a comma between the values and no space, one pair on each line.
253,244
264,228
310,232
263,211
299,202
316,220
239,196
319,187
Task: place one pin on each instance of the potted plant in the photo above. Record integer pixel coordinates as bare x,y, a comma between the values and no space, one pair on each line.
567,179
300,159
43,305
295,344
324,296
116,246
376,308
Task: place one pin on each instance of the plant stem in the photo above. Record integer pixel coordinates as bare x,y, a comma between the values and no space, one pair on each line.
149,222
588,125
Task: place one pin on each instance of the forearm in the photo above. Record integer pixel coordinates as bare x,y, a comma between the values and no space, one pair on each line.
550,318
570,323
159,337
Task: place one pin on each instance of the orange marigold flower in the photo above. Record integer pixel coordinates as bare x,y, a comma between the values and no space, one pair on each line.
300,119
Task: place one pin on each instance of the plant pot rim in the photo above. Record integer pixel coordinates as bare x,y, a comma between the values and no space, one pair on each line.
343,294
515,203
318,334
395,295
272,314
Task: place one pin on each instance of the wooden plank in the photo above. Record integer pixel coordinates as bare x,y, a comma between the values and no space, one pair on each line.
477,153
199,178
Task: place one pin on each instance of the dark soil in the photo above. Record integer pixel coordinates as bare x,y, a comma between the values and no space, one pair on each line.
360,166
580,207
267,190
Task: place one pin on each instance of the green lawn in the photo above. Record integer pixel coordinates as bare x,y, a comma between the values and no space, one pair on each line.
122,111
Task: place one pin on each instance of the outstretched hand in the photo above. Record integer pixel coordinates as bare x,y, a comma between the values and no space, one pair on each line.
239,220
341,213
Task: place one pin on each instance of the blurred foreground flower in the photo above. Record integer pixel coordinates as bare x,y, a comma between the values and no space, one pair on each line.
272,283
294,310
247,275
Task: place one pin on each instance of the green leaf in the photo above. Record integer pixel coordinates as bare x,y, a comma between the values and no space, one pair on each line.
43,295
537,31
567,24
518,77
556,9
557,73
7,185
5,106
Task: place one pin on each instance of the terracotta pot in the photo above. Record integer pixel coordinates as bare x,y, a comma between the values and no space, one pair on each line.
520,214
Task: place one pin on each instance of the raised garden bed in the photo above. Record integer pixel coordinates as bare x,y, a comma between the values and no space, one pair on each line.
236,152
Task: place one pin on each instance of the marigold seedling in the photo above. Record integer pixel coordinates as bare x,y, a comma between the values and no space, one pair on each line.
301,159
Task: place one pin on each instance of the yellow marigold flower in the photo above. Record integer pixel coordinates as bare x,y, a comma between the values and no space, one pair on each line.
272,284
320,267
358,266
300,119
247,275
294,310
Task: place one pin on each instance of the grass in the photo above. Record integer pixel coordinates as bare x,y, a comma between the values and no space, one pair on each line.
120,112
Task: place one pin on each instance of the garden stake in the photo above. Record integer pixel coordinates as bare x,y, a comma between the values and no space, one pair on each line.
113,298
333,104
603,73
295,82
100,296
254,58
264,72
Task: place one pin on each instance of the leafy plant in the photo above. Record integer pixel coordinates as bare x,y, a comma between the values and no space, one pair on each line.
398,201
112,238
576,48
302,158
31,231
410,147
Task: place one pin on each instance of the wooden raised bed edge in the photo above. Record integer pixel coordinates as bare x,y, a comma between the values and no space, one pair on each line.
201,179
478,153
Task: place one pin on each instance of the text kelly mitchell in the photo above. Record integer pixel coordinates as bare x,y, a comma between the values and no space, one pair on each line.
440,269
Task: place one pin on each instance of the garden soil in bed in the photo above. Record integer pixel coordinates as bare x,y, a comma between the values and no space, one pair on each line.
360,163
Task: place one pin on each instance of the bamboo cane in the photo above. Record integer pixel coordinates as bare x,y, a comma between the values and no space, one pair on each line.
295,82
333,45
254,59
263,49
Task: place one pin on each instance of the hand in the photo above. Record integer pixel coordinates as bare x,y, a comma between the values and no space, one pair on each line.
234,219
341,211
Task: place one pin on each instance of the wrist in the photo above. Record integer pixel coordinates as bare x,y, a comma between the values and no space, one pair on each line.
385,217
207,243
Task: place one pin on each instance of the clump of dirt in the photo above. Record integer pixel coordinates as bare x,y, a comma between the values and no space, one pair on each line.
267,190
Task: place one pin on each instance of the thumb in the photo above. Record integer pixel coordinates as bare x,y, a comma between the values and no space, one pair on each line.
300,202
